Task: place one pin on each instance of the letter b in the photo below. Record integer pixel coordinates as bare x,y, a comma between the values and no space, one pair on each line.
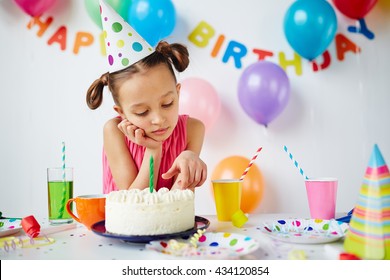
201,35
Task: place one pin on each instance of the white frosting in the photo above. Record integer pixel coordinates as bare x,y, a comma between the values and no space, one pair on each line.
139,212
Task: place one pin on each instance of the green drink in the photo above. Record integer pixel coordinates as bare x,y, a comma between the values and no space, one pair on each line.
59,192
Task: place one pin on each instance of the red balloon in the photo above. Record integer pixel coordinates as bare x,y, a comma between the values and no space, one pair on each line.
35,8
356,9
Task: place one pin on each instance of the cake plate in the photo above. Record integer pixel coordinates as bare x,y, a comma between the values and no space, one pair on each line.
100,229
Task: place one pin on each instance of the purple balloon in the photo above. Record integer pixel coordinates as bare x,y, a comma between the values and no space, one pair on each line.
263,91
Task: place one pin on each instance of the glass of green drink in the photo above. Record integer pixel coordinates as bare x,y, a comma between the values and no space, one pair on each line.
60,190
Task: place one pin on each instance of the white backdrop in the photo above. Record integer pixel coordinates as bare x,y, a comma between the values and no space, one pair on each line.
332,120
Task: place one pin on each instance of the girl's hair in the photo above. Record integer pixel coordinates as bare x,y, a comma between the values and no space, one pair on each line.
165,53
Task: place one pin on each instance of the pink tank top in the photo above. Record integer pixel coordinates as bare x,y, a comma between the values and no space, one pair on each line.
171,149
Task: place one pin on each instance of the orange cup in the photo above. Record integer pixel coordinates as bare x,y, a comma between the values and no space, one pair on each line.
90,209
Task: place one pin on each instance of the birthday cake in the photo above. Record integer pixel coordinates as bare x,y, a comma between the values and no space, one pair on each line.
140,212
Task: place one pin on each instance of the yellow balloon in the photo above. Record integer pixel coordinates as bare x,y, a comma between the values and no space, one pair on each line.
252,186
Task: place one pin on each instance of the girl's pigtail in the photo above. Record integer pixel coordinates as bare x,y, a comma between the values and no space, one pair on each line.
176,53
95,92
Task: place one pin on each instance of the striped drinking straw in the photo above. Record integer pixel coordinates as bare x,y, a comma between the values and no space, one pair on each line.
61,211
63,162
295,163
250,163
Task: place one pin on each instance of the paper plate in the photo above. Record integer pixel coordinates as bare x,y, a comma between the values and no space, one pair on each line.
9,226
305,231
211,245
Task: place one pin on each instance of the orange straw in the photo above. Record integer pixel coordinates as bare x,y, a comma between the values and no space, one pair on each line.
250,163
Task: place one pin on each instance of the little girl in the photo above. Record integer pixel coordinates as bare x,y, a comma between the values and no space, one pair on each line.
146,97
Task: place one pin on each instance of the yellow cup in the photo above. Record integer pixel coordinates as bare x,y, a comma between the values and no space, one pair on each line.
227,196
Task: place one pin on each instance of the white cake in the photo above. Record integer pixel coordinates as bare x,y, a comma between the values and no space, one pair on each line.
140,212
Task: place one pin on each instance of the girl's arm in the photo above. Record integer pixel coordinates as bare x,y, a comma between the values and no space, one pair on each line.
195,135
122,165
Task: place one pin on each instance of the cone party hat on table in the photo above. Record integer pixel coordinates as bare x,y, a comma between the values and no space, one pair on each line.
368,236
124,46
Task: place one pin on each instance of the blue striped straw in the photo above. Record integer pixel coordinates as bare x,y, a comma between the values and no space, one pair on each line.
295,163
63,162
62,208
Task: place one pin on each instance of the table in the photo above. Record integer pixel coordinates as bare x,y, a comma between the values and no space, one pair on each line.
78,243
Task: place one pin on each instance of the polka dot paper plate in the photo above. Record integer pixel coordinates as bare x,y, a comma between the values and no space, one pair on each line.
305,231
211,245
9,226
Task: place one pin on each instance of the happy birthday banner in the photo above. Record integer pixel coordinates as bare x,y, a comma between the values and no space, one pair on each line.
202,36
309,37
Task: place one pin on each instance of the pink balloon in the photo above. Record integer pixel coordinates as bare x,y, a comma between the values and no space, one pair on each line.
35,8
199,99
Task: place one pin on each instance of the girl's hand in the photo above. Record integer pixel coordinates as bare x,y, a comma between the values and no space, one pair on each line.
137,135
191,171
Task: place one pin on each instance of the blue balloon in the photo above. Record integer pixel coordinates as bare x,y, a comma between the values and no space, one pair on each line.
153,19
310,26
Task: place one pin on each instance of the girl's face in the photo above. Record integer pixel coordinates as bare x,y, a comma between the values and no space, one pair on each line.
150,101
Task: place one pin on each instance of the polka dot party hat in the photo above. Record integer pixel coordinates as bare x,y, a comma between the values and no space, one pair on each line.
124,46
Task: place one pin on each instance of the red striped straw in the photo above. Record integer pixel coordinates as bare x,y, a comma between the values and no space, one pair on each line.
250,163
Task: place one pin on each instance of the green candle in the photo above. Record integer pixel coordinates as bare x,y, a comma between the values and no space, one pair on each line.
151,174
